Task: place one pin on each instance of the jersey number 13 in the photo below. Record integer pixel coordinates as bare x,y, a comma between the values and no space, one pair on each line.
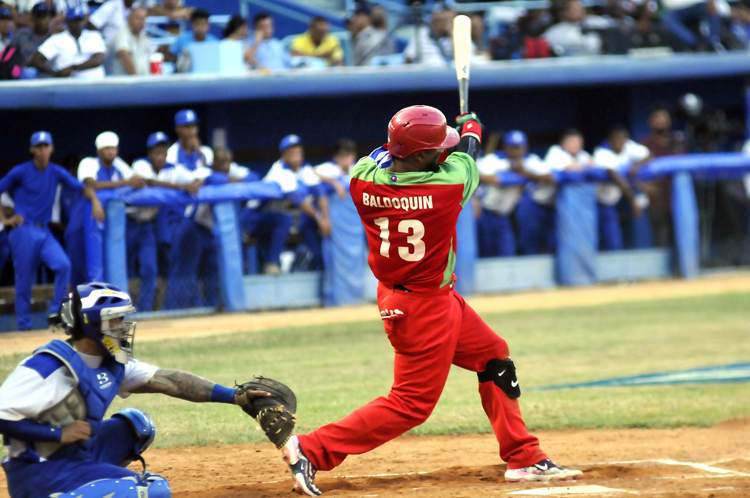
413,227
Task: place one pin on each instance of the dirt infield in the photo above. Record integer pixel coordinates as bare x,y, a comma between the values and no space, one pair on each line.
203,326
689,462
677,463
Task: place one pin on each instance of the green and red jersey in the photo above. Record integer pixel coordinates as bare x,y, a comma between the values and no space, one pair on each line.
410,219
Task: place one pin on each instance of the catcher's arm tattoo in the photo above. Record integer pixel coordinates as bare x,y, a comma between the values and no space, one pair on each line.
184,385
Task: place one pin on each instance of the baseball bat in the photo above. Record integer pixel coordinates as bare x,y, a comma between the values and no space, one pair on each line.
462,56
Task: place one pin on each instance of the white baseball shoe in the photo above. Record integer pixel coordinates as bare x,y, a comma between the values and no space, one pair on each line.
544,471
303,471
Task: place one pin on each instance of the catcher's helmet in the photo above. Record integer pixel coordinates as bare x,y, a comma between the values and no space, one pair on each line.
417,128
96,310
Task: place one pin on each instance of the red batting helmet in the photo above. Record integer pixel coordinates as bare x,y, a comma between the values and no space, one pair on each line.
419,127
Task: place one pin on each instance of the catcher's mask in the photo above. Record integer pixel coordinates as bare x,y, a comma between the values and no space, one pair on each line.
97,311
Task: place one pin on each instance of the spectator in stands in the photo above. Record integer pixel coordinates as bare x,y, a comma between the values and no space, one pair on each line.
188,151
6,27
141,222
110,17
267,52
199,33
616,155
679,12
104,172
662,141
494,228
30,39
33,185
367,41
174,11
318,42
567,38
536,211
479,33
273,220
236,30
130,48
435,41
649,32
76,52
335,173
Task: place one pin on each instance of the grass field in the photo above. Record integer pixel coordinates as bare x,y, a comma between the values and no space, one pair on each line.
336,368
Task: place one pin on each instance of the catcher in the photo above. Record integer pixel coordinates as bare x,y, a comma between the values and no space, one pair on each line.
52,406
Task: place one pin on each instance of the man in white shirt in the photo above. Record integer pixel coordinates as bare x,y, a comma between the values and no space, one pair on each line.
76,52
111,16
53,405
536,211
567,38
494,227
129,52
616,155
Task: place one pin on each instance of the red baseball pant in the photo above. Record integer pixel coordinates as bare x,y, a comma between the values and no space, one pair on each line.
430,332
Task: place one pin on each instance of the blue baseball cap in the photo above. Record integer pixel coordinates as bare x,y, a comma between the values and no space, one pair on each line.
40,10
515,138
289,141
156,139
185,117
75,13
41,137
5,13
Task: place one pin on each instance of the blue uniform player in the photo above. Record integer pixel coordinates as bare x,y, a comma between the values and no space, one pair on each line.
52,406
498,202
188,151
273,220
194,271
106,171
143,224
33,186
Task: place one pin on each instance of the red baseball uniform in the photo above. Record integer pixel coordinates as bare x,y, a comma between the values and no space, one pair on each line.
410,220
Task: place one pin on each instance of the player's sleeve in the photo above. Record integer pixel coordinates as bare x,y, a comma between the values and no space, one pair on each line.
208,153
238,172
462,169
557,159
142,168
137,373
123,168
38,384
87,168
534,164
637,152
605,158
172,153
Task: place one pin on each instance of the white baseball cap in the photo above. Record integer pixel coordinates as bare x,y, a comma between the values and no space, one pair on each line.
107,139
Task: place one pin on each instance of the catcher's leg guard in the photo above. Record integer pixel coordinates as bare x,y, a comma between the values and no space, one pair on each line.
143,428
150,485
503,374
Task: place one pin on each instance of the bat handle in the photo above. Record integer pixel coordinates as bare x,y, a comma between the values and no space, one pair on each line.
463,95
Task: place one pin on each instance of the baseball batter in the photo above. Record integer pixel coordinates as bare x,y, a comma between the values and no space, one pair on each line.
409,204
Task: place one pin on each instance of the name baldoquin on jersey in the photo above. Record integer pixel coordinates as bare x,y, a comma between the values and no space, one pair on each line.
412,203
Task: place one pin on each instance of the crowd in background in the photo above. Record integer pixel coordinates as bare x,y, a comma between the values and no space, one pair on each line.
65,38
44,221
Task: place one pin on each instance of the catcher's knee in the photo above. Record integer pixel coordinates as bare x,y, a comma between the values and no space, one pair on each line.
143,429
503,374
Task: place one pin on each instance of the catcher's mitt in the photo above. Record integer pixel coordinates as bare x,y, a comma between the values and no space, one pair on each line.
274,413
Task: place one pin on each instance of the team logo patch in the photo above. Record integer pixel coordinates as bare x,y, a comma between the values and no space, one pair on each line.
394,178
